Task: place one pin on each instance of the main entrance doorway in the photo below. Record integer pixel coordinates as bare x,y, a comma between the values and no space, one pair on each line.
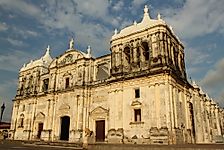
65,123
100,130
40,129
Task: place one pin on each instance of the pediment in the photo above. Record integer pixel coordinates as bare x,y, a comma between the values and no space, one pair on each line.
69,57
99,110
64,107
40,116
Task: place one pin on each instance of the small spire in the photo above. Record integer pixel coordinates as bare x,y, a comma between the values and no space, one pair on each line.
135,23
115,31
171,28
47,56
89,50
146,16
71,44
159,16
48,50
146,9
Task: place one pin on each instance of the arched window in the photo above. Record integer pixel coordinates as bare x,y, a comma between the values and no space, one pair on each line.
21,121
67,84
145,50
127,54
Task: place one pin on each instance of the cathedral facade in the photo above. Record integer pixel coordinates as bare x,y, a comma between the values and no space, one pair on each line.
139,93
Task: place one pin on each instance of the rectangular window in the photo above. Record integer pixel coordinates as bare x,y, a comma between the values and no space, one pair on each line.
137,93
137,113
67,83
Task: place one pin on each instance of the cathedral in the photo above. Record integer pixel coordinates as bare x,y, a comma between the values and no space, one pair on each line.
138,93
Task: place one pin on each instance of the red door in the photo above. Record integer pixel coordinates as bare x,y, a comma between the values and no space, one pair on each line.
100,130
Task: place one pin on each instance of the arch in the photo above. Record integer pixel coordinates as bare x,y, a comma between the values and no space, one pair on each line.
21,121
127,52
145,47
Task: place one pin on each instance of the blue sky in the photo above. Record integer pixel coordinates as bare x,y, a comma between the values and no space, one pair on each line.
28,26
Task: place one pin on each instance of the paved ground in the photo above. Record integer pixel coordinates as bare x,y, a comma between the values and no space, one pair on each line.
17,145
156,147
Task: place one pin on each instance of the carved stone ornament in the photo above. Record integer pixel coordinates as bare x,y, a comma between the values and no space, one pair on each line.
136,104
40,116
99,111
68,59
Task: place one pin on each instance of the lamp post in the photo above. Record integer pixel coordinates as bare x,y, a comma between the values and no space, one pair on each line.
2,111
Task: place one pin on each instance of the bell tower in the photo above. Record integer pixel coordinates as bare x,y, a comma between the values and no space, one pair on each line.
147,47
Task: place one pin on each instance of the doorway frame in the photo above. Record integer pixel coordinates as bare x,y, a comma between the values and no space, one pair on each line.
38,126
96,129
60,127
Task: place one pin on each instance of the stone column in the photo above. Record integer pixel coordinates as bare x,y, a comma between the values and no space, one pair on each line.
162,47
169,49
202,113
53,119
154,46
217,119
80,112
157,100
175,106
168,106
142,57
171,106
33,117
208,105
135,53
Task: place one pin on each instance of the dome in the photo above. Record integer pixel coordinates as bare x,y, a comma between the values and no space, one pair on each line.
43,61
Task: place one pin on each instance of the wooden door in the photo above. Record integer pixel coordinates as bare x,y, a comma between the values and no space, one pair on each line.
100,130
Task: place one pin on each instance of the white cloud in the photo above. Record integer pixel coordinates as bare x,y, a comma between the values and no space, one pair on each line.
138,3
13,60
196,17
64,17
118,6
69,16
3,26
24,33
213,82
21,6
215,76
15,42
196,56
94,8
